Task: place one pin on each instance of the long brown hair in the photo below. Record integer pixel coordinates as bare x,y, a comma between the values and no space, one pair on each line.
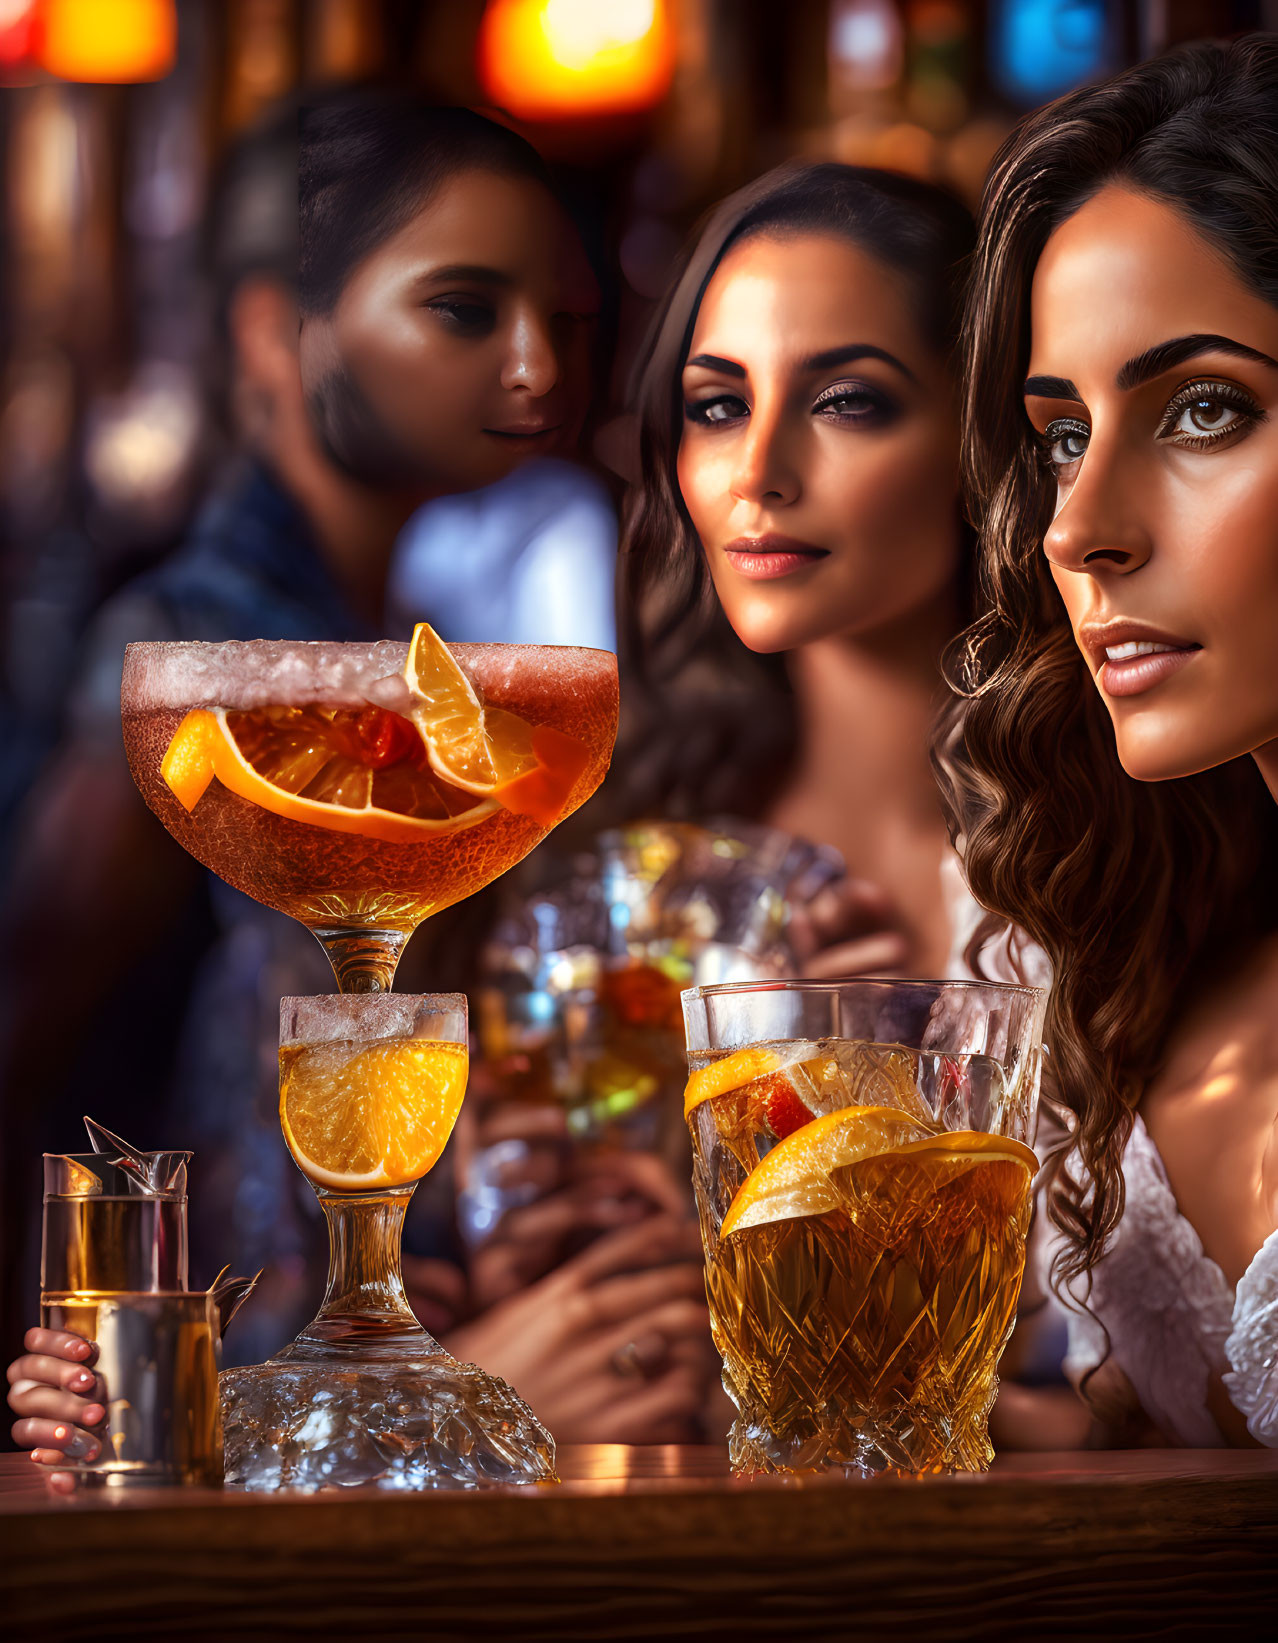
1133,889
710,725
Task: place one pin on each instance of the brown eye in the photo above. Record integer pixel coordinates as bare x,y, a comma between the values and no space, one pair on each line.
1209,416
712,413
1204,413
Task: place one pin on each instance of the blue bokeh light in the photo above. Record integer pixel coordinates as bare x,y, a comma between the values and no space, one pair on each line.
1041,48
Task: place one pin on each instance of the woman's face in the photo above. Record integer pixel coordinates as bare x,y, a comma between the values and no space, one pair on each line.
460,345
1153,385
818,459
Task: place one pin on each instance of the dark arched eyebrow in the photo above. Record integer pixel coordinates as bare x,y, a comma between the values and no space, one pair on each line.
1154,361
712,362
465,273
1051,388
843,355
854,351
1142,368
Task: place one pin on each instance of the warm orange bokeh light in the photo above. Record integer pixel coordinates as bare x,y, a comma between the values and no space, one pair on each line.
551,59
108,41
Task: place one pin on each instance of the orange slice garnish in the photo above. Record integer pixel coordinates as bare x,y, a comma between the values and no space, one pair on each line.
360,1117
784,1085
346,770
529,769
794,1179
731,1073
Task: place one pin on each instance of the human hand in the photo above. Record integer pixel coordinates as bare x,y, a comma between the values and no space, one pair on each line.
850,927
436,1291
562,1193
60,1401
612,1347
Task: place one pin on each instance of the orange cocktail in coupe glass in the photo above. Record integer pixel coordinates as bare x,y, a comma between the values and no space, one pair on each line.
360,788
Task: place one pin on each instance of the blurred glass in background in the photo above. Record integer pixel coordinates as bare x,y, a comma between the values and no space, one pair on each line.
577,1003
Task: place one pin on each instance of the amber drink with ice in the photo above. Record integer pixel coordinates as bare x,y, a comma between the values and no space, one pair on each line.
863,1182
360,788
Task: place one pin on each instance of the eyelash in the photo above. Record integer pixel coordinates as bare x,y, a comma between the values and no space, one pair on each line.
881,409
468,317
1215,393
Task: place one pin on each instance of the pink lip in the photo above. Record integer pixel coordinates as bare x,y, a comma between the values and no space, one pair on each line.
1142,673
763,558
1136,674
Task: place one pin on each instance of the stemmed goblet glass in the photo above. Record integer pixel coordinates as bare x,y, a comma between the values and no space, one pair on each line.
295,772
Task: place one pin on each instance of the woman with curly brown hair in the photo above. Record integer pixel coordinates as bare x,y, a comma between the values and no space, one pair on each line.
1107,766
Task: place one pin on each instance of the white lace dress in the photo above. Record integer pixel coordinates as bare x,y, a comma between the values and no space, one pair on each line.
1171,1318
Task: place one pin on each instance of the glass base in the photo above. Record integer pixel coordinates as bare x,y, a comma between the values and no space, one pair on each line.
316,1419
895,1441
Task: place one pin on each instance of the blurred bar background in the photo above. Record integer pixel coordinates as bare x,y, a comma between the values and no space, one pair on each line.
114,117
114,114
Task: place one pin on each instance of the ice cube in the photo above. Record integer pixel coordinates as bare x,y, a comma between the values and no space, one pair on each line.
853,1073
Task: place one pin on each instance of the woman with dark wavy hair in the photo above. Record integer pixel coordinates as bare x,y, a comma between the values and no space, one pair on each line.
794,559
1113,765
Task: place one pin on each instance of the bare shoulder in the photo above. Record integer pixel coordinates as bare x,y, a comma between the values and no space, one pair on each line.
1212,1110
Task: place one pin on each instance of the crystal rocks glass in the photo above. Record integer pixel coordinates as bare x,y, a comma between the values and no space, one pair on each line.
863,1181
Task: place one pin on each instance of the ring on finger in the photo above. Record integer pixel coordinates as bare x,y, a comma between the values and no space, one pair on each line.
641,1359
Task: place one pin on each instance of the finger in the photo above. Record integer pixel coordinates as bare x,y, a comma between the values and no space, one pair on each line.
441,1280
519,1121
61,1343
842,912
672,1400
553,1217
57,1438
658,1240
644,1354
679,1318
849,905
871,955
47,1403
622,1300
436,1291
47,1371
641,1172
62,1483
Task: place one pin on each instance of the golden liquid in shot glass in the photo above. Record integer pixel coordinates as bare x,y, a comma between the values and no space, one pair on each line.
158,1355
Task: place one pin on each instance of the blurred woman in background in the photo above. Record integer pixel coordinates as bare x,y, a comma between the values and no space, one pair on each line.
795,562
447,314
795,558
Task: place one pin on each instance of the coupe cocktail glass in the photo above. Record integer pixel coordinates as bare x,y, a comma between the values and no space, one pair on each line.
301,712
863,1176
296,772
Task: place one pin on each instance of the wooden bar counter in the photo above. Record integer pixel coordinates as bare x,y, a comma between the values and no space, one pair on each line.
662,1543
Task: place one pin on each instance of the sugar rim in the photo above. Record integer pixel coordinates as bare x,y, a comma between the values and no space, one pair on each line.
329,1018
249,673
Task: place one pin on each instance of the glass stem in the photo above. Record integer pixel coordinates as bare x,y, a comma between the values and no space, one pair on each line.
365,1307
364,961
